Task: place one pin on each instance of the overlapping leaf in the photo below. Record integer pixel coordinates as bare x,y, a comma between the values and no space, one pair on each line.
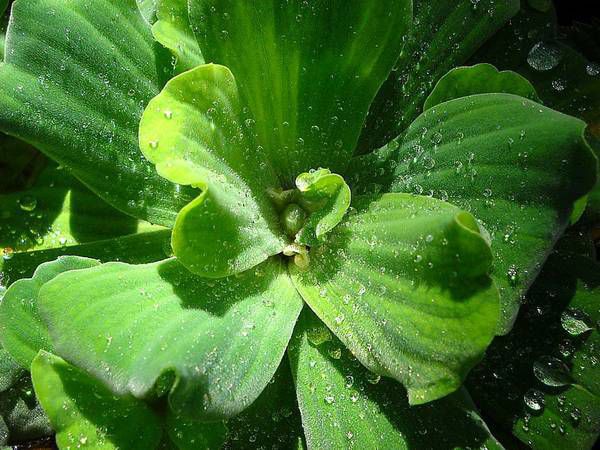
174,31
403,283
308,91
542,380
85,413
345,406
516,165
444,35
195,134
219,342
76,80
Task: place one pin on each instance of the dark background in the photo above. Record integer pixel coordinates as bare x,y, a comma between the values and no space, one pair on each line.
577,10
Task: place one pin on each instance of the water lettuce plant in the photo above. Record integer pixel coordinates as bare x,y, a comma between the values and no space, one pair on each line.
295,224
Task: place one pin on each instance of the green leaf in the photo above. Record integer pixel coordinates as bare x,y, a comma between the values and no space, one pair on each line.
308,90
59,211
10,371
515,165
444,35
542,380
220,341
273,420
139,248
21,415
345,406
327,196
22,332
85,413
18,163
148,10
81,104
189,434
478,79
403,283
174,31
195,133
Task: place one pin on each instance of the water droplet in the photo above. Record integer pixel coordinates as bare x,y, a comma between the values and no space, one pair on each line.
7,253
544,56
168,114
513,275
551,371
593,69
534,399
318,335
27,203
329,399
575,322
349,381
153,144
373,378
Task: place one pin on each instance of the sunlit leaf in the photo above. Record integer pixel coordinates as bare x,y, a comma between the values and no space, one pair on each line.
444,35
308,90
195,134
218,341
517,166
81,103
174,31
403,283
85,413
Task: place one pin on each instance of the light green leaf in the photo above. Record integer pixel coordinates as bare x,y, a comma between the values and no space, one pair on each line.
3,25
174,31
517,166
22,332
195,133
148,10
327,197
478,79
542,381
84,413
308,90
81,104
218,341
403,283
345,406
444,35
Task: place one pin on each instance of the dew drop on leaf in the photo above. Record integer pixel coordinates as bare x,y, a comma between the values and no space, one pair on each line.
551,371
575,322
534,399
544,56
27,203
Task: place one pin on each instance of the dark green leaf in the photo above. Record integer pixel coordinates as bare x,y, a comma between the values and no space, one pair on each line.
542,380
308,90
139,248
345,406
444,35
273,420
194,132
515,165
174,31
478,79
221,340
85,413
21,414
81,103
403,283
